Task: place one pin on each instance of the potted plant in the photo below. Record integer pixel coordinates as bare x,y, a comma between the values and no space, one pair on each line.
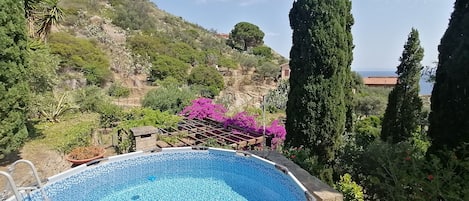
81,155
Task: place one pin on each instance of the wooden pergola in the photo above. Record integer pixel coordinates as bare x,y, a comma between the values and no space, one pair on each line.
206,132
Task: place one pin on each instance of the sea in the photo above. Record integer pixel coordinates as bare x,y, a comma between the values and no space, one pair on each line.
425,87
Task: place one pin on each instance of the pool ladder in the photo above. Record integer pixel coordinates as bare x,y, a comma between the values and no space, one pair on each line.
16,190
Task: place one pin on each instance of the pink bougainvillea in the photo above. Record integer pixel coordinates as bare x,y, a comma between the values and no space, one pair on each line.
204,108
278,131
243,120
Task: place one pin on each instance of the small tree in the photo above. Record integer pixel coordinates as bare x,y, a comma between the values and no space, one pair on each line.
208,77
269,69
263,51
165,66
245,35
118,90
401,118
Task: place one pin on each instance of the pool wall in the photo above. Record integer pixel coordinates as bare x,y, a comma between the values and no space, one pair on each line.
119,158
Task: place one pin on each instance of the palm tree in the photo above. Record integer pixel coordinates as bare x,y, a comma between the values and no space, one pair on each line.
51,15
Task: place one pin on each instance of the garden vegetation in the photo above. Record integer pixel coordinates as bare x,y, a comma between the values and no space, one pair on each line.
370,144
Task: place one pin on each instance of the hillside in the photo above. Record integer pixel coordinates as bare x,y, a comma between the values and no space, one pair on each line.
137,38
125,52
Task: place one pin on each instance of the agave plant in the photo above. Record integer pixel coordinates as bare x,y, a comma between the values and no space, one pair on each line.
53,109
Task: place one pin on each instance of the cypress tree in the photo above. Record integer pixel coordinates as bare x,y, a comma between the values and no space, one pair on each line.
449,116
401,118
320,61
13,88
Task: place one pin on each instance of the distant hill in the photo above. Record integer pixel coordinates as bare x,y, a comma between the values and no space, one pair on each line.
136,37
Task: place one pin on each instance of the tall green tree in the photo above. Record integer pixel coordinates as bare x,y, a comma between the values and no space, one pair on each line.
449,117
14,90
401,118
246,35
320,61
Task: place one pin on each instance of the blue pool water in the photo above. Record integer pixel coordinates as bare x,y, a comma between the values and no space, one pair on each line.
186,175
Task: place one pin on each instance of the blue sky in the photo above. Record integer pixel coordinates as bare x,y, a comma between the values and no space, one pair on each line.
380,30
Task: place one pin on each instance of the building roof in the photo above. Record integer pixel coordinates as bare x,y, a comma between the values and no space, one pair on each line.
144,130
390,80
223,35
285,66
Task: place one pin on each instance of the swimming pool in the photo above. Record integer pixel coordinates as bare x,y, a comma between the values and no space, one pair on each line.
175,174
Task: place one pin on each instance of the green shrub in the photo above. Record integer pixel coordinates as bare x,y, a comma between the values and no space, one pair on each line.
90,99
262,51
248,62
268,69
185,53
118,91
160,44
351,190
171,99
204,91
82,55
208,77
52,106
227,63
142,117
169,82
133,14
367,130
276,99
398,172
42,69
72,131
307,160
109,114
77,135
165,66
146,45
149,117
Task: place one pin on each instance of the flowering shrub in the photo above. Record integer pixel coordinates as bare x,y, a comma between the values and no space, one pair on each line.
277,131
243,120
204,108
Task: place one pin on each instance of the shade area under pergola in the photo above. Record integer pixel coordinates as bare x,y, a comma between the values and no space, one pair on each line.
208,132
199,132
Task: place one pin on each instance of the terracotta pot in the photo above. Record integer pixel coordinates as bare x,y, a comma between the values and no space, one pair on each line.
82,161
